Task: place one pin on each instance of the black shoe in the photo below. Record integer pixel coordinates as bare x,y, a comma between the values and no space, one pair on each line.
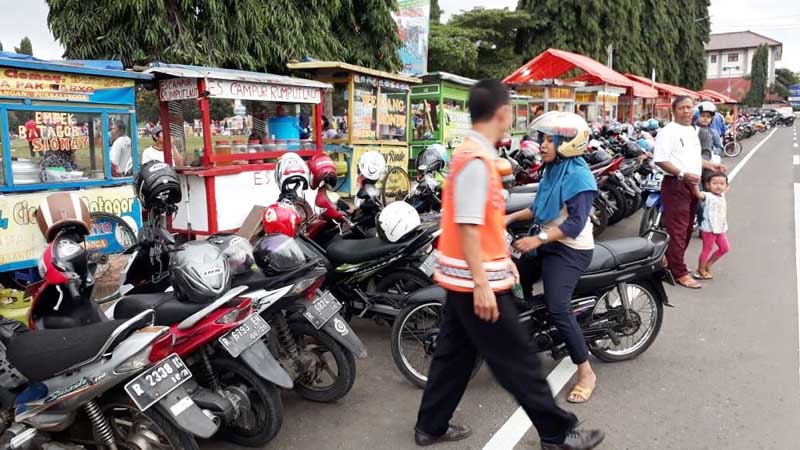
578,440
453,433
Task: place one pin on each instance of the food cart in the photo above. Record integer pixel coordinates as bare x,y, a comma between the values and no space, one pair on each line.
58,124
366,110
549,95
223,177
439,111
598,102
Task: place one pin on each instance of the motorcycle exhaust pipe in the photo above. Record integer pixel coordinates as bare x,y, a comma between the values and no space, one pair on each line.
214,418
21,438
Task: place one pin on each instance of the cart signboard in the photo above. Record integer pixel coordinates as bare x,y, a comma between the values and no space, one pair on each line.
46,85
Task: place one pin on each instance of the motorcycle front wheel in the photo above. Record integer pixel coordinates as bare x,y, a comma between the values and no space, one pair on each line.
333,372
732,149
650,220
599,217
133,428
414,335
616,202
636,334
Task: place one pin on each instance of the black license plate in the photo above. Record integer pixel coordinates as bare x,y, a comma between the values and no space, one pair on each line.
248,333
322,309
158,381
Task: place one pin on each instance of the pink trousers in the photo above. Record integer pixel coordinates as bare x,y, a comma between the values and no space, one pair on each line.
709,240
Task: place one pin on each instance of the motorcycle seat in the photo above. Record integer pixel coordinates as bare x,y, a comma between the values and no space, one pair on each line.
353,251
525,189
519,201
609,255
169,310
41,354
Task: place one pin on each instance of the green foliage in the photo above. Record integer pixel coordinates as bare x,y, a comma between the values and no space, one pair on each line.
645,34
25,47
1,46
759,74
243,34
478,43
783,79
146,105
436,11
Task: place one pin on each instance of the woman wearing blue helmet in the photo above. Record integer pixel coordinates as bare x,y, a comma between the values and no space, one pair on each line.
562,232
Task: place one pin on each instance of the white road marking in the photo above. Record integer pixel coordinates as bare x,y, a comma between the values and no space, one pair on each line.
741,164
795,145
797,256
518,424
796,160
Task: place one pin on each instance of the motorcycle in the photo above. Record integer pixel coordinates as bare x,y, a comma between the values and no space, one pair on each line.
237,388
653,209
64,388
618,302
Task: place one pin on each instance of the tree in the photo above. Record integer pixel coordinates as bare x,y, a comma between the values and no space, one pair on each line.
436,12
783,79
25,47
645,34
477,43
1,46
147,108
245,34
758,77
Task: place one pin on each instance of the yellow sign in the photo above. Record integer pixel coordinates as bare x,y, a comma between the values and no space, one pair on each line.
560,93
537,92
584,97
54,85
55,131
20,237
396,156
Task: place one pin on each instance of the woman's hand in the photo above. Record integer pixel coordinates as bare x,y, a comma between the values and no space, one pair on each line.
528,244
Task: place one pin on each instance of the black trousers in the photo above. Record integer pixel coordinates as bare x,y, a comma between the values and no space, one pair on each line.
508,352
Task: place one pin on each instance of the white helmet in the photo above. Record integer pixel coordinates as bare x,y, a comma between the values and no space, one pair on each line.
290,171
372,165
397,220
706,106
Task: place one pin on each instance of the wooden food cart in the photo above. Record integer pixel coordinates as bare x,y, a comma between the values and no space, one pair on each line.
599,102
225,177
439,112
65,126
366,110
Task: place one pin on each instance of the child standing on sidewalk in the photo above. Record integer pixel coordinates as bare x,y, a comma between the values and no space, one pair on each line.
714,226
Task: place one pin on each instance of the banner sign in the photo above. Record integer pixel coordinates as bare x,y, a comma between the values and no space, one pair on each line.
21,239
456,125
41,85
413,24
55,131
794,90
244,90
396,156
177,89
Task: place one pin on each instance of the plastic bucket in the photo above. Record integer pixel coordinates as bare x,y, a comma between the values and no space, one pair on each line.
284,128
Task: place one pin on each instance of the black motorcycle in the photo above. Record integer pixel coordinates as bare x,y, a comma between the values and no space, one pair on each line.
619,303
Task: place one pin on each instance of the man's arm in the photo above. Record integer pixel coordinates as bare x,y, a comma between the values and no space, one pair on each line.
484,301
672,169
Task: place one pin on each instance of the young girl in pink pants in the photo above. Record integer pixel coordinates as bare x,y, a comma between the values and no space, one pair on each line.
714,226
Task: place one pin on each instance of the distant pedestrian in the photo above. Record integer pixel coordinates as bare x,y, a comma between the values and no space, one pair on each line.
677,153
714,227
480,317
31,134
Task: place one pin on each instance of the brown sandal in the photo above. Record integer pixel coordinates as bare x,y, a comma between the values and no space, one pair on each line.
688,283
703,275
580,394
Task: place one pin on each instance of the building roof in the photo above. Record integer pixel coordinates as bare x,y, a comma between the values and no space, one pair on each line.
738,39
186,71
312,66
739,86
446,76
665,88
553,63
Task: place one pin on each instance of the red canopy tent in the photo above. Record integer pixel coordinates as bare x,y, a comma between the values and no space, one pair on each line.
719,97
664,88
553,63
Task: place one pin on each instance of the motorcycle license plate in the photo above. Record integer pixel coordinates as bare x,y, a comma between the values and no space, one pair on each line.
242,337
429,264
513,251
158,381
322,309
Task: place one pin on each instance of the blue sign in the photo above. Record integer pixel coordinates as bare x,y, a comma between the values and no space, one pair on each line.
412,18
794,90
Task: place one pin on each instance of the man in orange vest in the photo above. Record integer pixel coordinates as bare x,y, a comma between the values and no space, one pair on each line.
479,316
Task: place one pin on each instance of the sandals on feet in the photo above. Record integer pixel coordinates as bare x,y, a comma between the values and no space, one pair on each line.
689,283
703,275
580,394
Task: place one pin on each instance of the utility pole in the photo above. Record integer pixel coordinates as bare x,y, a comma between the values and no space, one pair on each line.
610,52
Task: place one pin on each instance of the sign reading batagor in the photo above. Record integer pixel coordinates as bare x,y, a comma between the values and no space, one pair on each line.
244,90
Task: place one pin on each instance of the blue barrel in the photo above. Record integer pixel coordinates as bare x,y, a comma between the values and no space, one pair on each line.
284,128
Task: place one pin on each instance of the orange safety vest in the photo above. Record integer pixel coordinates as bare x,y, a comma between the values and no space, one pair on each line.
452,272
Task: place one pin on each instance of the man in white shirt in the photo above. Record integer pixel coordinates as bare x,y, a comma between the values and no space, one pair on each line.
678,153
156,151
120,153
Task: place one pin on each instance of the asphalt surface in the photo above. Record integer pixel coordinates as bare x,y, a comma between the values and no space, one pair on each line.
723,373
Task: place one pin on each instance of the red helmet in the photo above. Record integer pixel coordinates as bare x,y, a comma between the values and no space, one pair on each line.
323,169
280,218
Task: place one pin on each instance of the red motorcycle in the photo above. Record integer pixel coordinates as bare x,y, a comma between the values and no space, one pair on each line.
220,341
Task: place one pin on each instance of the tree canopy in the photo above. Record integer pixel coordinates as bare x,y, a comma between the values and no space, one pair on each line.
783,79
25,47
759,74
246,34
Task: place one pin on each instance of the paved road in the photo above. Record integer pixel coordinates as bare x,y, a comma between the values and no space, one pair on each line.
723,373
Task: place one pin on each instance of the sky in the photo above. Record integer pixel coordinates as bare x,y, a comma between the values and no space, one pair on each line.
777,19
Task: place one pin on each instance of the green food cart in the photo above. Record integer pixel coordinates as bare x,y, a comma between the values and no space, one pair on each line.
438,111
366,110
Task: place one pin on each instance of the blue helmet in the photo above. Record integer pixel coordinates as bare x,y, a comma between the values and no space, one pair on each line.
652,124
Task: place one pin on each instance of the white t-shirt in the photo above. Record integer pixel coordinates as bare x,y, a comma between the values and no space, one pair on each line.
679,145
120,154
151,154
